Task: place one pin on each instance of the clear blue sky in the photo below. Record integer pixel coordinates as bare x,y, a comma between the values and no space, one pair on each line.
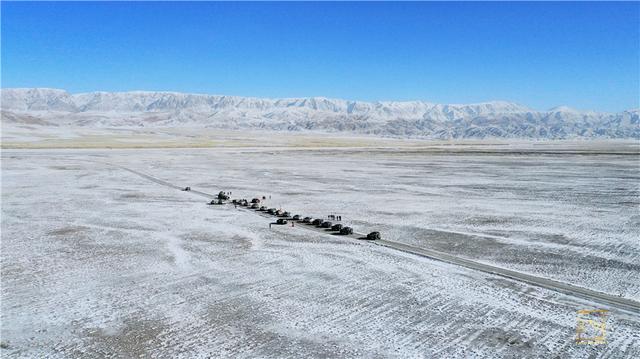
584,55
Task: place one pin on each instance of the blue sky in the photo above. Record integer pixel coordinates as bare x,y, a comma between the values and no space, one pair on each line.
584,55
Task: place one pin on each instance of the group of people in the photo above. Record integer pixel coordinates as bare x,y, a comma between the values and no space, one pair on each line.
334,217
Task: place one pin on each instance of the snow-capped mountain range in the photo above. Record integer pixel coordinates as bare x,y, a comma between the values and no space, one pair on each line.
497,119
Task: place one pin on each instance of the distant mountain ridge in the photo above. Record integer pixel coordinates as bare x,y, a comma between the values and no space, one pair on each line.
496,119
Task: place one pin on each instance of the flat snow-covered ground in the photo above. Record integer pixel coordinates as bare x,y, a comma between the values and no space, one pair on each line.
97,261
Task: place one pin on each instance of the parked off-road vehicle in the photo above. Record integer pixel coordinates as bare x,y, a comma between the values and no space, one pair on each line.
255,200
373,236
271,211
255,206
326,224
222,196
263,208
187,189
317,222
336,227
346,231
306,220
286,214
296,217
281,221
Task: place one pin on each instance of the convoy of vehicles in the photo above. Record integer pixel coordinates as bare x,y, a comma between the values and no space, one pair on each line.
255,204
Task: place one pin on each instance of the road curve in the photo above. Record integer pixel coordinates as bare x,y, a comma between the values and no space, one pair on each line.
625,304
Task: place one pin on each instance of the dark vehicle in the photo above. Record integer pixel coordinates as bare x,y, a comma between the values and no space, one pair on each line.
187,189
336,227
255,206
326,224
219,201
285,214
244,202
235,201
222,196
296,217
255,200
346,231
317,222
271,211
281,221
373,236
306,220
263,208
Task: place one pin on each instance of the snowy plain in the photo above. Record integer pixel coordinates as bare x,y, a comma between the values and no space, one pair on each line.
97,261
569,217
